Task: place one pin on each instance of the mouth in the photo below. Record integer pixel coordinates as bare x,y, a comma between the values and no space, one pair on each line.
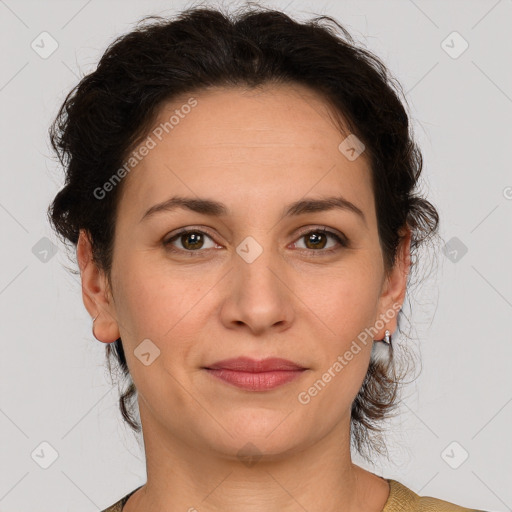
255,375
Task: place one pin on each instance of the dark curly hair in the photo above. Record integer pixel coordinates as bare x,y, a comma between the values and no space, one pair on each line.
106,115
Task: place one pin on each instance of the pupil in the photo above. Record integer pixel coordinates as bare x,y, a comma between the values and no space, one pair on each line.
316,238
193,236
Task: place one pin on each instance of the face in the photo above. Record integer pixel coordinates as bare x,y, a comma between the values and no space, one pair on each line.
254,276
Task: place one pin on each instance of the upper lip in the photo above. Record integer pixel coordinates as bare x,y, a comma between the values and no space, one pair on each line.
246,364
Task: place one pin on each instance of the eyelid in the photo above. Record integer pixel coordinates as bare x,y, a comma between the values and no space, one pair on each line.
188,229
322,229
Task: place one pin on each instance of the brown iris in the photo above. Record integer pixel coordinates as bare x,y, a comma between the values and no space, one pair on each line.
315,238
195,238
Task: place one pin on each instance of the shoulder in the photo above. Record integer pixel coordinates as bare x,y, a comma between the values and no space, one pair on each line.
118,506
403,499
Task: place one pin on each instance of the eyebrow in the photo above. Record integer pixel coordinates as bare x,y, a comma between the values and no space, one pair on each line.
217,209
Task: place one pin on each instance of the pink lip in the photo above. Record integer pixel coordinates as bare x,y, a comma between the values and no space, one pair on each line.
246,364
253,375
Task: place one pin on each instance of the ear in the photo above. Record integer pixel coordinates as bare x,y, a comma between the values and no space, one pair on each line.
395,285
96,292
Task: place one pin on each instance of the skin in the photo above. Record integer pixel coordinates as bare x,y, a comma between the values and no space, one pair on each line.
255,151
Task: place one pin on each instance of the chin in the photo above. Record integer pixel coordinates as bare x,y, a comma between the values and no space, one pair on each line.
259,441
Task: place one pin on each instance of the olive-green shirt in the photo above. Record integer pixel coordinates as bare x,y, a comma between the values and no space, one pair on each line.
400,499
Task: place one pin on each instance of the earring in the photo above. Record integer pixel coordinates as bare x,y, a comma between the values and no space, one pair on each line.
387,337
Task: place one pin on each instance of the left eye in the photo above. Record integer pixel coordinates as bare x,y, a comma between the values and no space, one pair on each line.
193,240
317,239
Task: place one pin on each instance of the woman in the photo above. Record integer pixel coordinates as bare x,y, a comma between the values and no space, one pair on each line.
241,194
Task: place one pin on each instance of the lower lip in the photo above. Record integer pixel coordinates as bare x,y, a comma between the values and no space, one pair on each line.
261,381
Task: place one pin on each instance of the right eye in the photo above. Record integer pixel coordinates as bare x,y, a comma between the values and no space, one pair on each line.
191,240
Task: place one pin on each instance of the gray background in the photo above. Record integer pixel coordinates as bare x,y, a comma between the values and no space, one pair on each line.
54,383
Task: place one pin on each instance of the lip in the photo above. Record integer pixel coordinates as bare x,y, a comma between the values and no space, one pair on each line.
255,375
246,364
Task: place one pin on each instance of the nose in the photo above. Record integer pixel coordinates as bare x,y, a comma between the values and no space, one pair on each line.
258,295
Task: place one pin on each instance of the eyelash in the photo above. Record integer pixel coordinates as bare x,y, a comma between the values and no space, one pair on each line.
340,239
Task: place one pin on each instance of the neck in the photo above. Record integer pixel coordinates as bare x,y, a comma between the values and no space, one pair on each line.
184,475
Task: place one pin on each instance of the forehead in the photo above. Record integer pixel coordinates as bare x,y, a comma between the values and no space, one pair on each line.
263,117
273,141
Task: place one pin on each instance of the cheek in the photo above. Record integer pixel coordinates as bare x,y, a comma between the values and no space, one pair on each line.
347,301
149,297
141,306
347,307
155,309
164,305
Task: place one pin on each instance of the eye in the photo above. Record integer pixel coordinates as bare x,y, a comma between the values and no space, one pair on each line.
316,240
191,240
